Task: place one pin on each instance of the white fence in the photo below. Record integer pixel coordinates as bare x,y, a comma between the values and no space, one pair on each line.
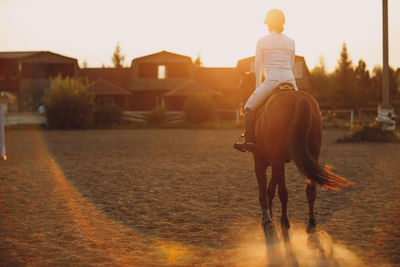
333,114
23,118
179,116
141,116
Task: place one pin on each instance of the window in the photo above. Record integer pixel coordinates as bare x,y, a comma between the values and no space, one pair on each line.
161,73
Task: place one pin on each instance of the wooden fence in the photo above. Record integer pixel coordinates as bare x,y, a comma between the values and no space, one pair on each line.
141,116
333,117
179,116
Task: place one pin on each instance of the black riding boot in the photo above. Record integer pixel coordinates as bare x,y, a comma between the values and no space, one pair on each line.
249,123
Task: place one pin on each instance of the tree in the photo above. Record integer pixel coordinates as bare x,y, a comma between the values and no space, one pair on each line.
376,85
84,64
344,82
118,58
68,104
197,62
363,89
322,88
375,95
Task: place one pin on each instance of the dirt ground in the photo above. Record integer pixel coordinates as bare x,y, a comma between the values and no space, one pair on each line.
155,197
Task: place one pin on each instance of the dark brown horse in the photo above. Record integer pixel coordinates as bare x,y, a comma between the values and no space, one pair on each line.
288,127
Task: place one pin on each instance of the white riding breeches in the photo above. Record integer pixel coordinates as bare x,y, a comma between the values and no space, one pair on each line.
265,89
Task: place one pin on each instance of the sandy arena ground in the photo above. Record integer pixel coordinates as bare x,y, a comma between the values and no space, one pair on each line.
184,198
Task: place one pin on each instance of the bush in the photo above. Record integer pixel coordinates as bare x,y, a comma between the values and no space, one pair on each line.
370,133
68,104
157,116
107,115
200,108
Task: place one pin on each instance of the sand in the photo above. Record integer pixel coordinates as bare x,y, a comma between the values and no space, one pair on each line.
154,197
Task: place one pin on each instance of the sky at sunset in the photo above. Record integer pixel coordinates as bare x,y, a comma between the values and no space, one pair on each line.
222,31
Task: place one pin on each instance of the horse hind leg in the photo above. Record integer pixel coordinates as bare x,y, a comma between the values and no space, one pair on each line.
313,241
311,191
271,194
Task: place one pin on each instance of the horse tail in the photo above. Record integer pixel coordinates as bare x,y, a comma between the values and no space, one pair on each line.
307,163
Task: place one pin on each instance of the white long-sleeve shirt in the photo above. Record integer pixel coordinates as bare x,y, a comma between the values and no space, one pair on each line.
275,53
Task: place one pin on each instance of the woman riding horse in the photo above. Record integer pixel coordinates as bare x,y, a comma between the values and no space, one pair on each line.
287,127
275,53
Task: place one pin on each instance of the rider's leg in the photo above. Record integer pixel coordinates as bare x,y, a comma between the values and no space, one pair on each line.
255,101
261,93
250,128
249,123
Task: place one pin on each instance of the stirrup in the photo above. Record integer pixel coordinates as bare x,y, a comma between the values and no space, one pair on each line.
243,146
240,146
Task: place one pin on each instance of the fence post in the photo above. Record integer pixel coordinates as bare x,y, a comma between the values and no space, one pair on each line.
2,135
351,119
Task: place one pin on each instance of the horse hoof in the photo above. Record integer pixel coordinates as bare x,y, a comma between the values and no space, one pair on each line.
285,224
312,226
270,233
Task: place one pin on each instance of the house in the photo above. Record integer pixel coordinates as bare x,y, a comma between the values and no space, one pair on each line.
26,74
117,76
223,80
162,79
107,93
156,74
301,72
167,79
175,99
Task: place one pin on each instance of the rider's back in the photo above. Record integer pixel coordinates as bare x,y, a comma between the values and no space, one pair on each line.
278,52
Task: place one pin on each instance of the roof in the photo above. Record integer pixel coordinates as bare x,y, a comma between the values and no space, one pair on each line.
221,79
26,54
118,76
102,87
167,53
15,55
191,88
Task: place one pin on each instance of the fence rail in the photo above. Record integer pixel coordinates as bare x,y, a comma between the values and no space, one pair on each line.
23,118
328,115
141,116
179,116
